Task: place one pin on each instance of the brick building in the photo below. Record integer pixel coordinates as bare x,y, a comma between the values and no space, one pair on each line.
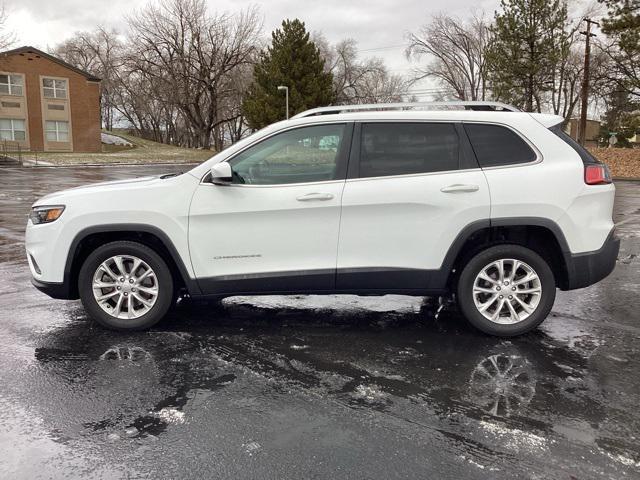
46,104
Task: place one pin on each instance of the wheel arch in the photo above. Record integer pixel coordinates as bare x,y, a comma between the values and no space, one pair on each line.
90,238
541,235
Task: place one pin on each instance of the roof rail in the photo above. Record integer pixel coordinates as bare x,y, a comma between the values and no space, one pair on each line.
470,105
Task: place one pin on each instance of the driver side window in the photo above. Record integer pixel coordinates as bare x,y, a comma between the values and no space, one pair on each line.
306,154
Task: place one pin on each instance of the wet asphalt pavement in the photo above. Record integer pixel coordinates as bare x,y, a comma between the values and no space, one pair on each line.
314,387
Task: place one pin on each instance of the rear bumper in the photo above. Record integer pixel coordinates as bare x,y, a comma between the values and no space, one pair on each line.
584,269
60,291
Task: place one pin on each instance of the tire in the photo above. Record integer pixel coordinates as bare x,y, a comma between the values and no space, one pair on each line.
145,297
530,299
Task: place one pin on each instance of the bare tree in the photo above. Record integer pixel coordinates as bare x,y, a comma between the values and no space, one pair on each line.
236,126
146,104
359,81
7,38
180,45
456,50
100,53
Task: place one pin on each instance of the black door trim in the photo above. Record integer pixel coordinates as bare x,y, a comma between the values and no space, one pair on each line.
271,282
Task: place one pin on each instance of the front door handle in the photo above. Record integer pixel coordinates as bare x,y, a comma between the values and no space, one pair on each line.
459,188
314,196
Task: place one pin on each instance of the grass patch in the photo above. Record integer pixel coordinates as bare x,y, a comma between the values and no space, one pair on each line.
142,152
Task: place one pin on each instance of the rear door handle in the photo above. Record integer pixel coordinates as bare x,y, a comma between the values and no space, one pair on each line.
314,196
460,188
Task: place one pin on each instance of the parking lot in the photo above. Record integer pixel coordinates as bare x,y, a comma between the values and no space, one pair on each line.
313,387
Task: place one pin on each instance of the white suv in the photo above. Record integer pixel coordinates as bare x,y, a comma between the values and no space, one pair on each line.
496,206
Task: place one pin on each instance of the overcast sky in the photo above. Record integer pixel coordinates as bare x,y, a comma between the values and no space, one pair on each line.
379,26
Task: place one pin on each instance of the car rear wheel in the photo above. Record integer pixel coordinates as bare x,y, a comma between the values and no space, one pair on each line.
506,290
125,286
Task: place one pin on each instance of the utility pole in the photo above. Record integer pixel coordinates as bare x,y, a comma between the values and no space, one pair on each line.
286,98
582,129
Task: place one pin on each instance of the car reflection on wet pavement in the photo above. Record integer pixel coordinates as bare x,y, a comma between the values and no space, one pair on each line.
314,387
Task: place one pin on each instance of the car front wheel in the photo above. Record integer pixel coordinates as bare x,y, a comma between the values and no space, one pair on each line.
506,290
125,286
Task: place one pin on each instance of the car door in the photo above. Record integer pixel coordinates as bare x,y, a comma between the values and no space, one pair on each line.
274,227
412,188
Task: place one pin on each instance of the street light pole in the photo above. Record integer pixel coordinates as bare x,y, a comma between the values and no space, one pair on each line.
286,98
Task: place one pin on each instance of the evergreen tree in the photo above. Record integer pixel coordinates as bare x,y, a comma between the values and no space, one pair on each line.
528,40
623,26
621,117
292,60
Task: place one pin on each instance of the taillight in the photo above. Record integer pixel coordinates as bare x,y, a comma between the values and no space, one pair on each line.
597,174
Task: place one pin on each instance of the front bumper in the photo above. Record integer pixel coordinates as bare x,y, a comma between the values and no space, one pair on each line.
59,291
584,269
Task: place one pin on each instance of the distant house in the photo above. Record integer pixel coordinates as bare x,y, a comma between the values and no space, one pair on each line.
593,130
47,104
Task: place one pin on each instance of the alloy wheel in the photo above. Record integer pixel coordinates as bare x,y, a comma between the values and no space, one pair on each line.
125,286
507,291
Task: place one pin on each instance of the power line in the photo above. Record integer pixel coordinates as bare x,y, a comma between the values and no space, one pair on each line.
388,47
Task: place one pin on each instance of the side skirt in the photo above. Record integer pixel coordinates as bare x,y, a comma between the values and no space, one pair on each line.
367,281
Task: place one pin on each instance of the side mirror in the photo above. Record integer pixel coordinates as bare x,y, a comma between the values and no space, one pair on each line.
221,173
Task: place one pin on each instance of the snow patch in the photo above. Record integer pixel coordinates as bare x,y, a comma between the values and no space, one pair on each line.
624,460
369,393
109,139
479,465
516,439
252,447
171,415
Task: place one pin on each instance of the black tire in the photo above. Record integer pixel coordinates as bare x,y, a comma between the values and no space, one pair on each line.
157,264
474,267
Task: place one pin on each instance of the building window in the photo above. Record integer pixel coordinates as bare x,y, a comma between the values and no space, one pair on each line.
54,88
10,84
56,131
11,129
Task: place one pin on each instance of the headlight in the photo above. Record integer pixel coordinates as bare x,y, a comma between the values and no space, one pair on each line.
45,214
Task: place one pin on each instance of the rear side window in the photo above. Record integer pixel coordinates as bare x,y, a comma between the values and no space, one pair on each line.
496,146
407,148
586,157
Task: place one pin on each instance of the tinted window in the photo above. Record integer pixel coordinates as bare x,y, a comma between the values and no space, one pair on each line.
308,154
586,157
495,145
406,148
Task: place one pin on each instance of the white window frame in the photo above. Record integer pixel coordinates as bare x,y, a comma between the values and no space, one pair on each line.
57,130
11,86
13,129
54,88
